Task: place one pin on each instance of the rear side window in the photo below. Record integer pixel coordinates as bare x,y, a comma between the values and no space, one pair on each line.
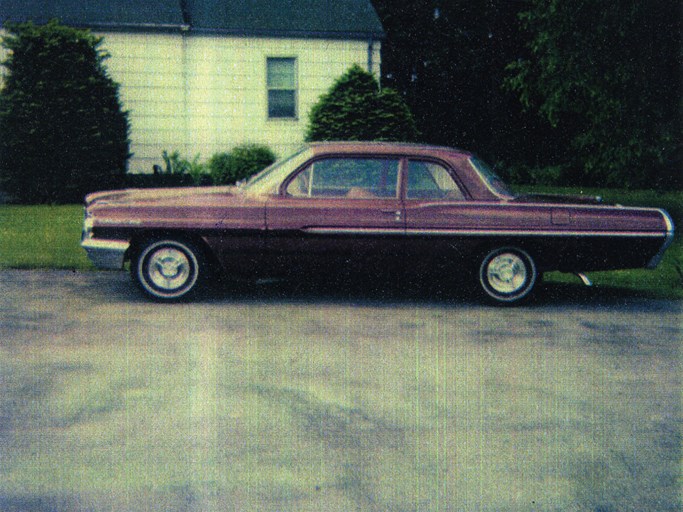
429,180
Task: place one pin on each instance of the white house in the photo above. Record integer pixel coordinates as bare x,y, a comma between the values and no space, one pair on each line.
202,76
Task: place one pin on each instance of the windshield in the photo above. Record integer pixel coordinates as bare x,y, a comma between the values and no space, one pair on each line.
492,180
267,181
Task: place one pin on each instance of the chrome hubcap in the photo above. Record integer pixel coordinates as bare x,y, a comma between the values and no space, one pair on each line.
506,273
169,268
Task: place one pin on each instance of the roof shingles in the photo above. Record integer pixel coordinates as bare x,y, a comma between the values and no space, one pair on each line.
96,13
313,18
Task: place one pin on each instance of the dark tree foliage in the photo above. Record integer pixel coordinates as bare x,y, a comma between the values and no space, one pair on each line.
356,109
609,77
63,131
448,60
605,80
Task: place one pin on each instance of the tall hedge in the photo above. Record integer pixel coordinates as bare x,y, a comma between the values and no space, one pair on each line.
355,108
63,130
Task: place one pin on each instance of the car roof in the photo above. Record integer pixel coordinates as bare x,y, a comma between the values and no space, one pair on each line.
384,148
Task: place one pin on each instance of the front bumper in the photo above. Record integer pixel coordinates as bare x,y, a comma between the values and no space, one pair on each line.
106,254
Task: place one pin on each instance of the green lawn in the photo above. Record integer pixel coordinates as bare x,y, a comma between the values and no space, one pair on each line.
48,237
42,237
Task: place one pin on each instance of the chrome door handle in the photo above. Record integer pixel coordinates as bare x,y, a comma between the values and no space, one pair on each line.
396,213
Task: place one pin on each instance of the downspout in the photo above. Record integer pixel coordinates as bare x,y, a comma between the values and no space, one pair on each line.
370,56
185,11
185,72
185,63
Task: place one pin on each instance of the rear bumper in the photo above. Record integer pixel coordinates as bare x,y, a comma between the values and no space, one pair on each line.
106,254
667,241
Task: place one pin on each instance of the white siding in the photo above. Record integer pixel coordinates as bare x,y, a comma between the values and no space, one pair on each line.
202,95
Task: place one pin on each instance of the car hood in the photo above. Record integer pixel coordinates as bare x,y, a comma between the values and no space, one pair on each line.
136,196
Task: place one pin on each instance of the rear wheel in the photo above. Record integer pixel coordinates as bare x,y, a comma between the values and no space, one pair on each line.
169,269
507,275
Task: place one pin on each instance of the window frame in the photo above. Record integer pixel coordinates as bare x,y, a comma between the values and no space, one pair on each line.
294,89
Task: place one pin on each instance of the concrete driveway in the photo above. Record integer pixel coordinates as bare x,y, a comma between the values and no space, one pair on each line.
270,399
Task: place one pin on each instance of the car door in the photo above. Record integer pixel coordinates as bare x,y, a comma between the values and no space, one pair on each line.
344,207
436,207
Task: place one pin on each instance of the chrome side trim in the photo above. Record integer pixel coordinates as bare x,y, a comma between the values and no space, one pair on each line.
476,232
355,231
495,232
512,205
106,254
656,260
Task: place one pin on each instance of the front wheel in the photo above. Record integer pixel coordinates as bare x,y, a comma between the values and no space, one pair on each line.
507,275
168,269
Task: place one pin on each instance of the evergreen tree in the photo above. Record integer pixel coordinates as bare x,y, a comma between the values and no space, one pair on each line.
356,109
63,131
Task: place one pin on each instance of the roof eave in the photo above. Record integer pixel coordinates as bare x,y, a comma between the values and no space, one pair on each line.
280,34
103,26
292,34
137,27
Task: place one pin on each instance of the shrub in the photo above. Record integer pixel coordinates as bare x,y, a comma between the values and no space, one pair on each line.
63,130
242,162
356,109
220,166
176,165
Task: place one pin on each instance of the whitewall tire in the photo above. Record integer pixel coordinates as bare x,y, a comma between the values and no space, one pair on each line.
168,269
507,275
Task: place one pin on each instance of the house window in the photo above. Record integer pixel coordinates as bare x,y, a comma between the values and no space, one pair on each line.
281,83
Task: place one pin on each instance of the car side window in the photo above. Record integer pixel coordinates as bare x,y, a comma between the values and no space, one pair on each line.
429,180
354,178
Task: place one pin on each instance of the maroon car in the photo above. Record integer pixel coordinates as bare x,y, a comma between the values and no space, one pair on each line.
356,204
